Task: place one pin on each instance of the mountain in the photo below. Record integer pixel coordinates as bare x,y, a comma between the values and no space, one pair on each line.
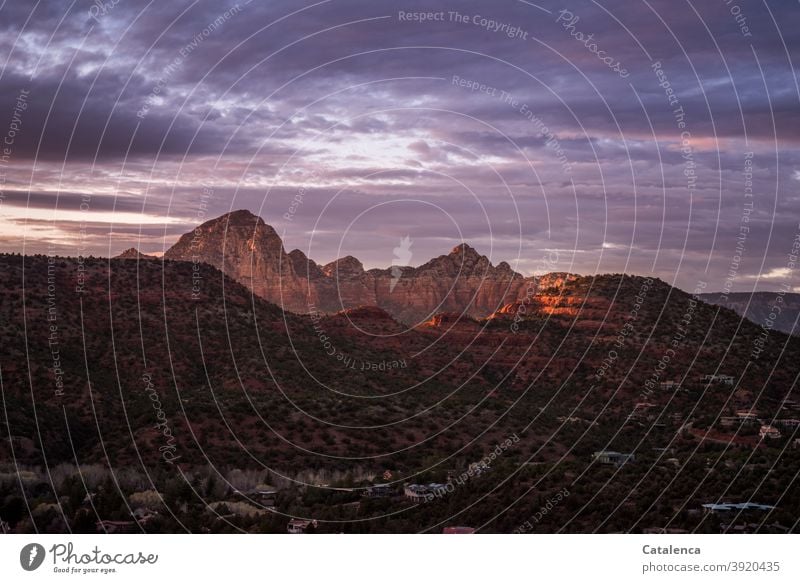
773,310
245,248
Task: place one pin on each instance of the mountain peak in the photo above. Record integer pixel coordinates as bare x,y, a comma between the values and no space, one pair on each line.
465,250
132,253
241,217
344,266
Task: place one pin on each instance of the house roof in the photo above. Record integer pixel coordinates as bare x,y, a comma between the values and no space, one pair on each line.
738,506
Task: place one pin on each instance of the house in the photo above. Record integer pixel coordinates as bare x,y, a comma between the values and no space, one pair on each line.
744,528
722,379
788,423
613,457
669,386
742,417
299,526
737,507
747,416
791,405
676,417
379,491
434,488
458,530
769,432
421,492
116,526
144,515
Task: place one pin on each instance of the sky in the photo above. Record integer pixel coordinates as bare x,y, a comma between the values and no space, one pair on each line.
652,137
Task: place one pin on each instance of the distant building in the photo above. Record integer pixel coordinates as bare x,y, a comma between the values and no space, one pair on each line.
722,379
298,526
791,405
458,530
664,530
262,495
669,386
144,515
788,423
747,415
769,432
613,457
435,488
379,491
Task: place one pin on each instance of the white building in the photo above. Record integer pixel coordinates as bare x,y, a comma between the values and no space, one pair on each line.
299,526
613,457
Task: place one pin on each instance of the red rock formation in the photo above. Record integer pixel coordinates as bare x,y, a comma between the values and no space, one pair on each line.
244,247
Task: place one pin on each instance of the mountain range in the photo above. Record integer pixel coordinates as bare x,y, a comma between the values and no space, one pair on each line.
772,310
173,375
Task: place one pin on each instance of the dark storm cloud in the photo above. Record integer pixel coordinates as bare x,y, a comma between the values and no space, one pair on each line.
72,200
142,44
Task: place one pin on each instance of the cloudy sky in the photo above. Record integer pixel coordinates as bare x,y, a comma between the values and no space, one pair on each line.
655,137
